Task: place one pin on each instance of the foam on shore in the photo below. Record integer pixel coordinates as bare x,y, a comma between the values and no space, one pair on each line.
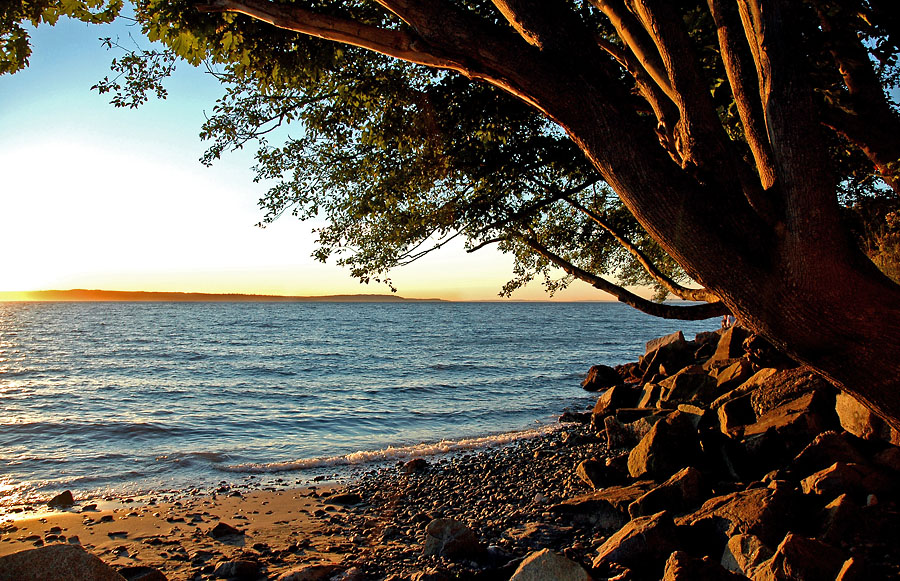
395,453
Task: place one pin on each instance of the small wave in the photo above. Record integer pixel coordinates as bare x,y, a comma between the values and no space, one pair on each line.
391,453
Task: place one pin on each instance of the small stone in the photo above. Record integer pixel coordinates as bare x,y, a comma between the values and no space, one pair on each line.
62,500
452,539
414,465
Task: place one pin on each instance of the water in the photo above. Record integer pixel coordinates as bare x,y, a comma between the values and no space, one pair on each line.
127,398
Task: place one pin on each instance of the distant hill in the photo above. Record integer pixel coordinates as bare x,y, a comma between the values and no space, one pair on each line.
84,295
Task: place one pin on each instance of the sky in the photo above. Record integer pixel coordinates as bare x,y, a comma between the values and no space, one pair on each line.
102,198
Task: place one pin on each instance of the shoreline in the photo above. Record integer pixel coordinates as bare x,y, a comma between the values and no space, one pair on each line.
303,527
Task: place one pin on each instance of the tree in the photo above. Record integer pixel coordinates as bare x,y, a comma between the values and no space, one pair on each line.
733,132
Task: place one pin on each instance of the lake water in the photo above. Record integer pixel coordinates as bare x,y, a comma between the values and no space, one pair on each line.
125,398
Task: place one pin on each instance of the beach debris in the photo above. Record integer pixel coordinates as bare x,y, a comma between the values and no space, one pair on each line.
62,500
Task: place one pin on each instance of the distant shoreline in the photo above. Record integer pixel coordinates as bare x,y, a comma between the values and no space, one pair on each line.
85,295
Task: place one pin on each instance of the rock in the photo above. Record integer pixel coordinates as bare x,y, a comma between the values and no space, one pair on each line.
640,544
853,569
762,512
860,421
61,562
606,509
855,479
690,385
414,465
889,459
788,385
224,530
601,377
839,519
309,573
733,376
445,537
676,338
142,573
431,575
592,473
796,422
743,553
62,500
620,396
682,491
749,386
545,565
627,435
669,446
237,569
800,558
735,413
682,567
569,417
731,344
826,449
650,393
345,499
536,535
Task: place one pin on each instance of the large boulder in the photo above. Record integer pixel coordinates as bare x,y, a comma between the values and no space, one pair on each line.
682,491
762,512
800,558
669,446
605,509
627,435
826,449
787,385
683,567
858,480
642,543
728,378
690,385
744,553
731,344
620,396
449,538
56,563
666,356
600,377
545,565
860,421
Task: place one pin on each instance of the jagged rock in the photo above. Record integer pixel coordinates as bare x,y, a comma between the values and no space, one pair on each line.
752,384
601,377
445,537
620,435
800,558
735,413
142,573
839,518
239,569
592,473
224,530
630,372
788,385
860,421
690,385
743,553
854,479
62,500
620,396
640,543
826,449
650,393
853,569
733,376
569,417
731,344
763,512
536,535
676,338
628,415
545,565
761,353
682,491
57,563
796,422
670,445
682,567
606,509
309,573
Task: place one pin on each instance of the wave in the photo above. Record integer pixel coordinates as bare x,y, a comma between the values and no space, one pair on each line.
392,454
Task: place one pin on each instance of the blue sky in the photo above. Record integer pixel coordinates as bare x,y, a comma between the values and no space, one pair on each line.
97,197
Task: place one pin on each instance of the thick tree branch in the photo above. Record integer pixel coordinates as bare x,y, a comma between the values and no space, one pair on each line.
395,43
738,61
870,121
689,313
688,294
